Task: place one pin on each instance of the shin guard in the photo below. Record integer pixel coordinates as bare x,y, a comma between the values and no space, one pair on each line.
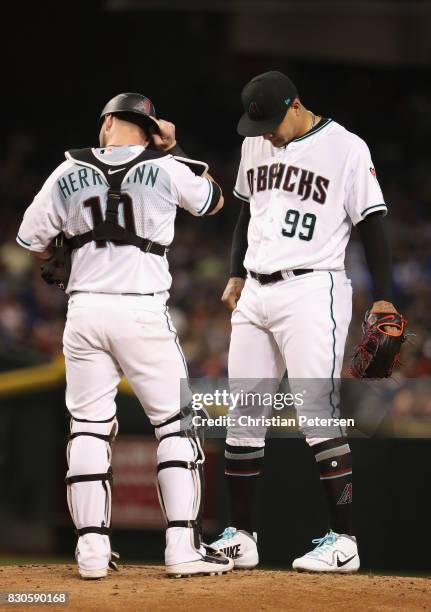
180,485
89,488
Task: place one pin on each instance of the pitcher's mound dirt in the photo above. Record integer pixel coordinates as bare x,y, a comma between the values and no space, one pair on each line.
142,587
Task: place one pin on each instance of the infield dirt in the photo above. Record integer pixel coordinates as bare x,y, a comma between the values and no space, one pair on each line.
142,587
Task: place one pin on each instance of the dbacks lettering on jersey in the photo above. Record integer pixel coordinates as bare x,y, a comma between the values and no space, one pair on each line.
304,198
289,178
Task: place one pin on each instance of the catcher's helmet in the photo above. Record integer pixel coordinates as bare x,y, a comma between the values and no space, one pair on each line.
135,108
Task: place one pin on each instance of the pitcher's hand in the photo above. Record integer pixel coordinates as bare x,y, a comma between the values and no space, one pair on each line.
233,291
383,306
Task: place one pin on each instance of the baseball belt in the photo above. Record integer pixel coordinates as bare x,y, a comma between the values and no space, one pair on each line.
265,279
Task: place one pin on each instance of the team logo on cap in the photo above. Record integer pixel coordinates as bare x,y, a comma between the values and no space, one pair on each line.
373,171
253,109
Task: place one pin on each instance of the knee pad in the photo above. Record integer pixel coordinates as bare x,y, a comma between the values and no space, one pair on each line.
180,479
89,477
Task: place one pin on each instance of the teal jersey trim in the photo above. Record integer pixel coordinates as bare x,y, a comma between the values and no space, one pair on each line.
317,128
331,293
382,206
208,200
23,241
240,196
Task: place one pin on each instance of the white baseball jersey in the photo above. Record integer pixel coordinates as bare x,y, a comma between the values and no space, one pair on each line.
73,200
304,198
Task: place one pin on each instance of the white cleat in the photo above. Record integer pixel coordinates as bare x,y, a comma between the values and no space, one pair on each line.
334,552
240,546
96,574
93,574
211,564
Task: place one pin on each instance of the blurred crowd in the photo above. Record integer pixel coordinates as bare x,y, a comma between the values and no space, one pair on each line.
32,313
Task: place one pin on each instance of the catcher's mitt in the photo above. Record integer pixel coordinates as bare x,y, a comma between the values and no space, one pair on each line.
56,269
377,354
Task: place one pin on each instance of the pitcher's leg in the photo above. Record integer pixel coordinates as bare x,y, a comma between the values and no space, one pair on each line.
319,330
314,350
255,366
313,342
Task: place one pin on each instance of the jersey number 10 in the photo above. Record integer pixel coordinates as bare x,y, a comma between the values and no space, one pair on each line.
97,216
306,228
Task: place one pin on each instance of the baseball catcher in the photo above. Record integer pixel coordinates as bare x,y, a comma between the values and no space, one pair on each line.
102,224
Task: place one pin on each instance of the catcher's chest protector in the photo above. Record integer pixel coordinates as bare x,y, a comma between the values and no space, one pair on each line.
109,229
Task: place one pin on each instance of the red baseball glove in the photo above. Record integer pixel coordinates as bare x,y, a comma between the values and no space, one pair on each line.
377,354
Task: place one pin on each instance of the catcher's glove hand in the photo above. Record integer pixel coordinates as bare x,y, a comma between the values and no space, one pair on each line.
377,354
56,269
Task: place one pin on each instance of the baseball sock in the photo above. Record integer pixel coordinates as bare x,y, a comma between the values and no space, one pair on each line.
334,460
243,465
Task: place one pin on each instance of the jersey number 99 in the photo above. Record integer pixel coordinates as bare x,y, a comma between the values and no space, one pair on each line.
306,227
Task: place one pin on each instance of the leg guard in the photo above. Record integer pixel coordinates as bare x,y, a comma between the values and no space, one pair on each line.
180,486
89,489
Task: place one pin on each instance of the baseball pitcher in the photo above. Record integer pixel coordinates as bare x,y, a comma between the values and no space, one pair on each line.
114,208
303,181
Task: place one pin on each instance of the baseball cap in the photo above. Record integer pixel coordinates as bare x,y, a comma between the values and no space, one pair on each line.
265,99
